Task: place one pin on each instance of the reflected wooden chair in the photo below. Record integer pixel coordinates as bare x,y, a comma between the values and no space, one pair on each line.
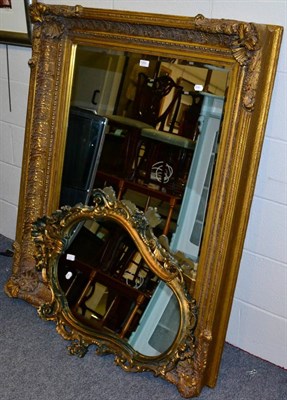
100,282
149,151
105,301
189,125
147,112
148,104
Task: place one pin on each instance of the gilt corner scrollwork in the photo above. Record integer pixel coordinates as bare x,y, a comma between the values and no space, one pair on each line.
53,27
246,50
188,373
27,281
245,45
39,10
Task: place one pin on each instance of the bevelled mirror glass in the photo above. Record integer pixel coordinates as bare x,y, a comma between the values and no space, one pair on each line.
170,112
163,158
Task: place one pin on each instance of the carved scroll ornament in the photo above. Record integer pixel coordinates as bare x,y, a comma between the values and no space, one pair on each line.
51,234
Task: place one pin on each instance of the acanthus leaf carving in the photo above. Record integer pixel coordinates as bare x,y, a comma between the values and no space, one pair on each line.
188,373
53,30
38,11
246,49
44,14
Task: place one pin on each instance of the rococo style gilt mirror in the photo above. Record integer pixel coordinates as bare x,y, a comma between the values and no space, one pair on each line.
101,302
143,139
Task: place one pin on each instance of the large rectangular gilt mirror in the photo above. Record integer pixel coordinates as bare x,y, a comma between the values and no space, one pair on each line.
170,112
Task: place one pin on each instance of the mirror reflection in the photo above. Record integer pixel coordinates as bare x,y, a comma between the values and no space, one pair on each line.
109,287
148,126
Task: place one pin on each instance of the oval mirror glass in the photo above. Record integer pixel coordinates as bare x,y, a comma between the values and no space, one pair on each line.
108,286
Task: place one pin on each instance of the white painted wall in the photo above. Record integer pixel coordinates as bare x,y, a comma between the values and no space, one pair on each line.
258,321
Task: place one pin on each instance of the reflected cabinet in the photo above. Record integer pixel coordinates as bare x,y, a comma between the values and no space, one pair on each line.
142,144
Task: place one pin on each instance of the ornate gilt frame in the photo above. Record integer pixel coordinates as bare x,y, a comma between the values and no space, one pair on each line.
250,51
53,233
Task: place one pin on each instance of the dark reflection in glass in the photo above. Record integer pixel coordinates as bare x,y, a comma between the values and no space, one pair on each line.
108,286
85,139
163,121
